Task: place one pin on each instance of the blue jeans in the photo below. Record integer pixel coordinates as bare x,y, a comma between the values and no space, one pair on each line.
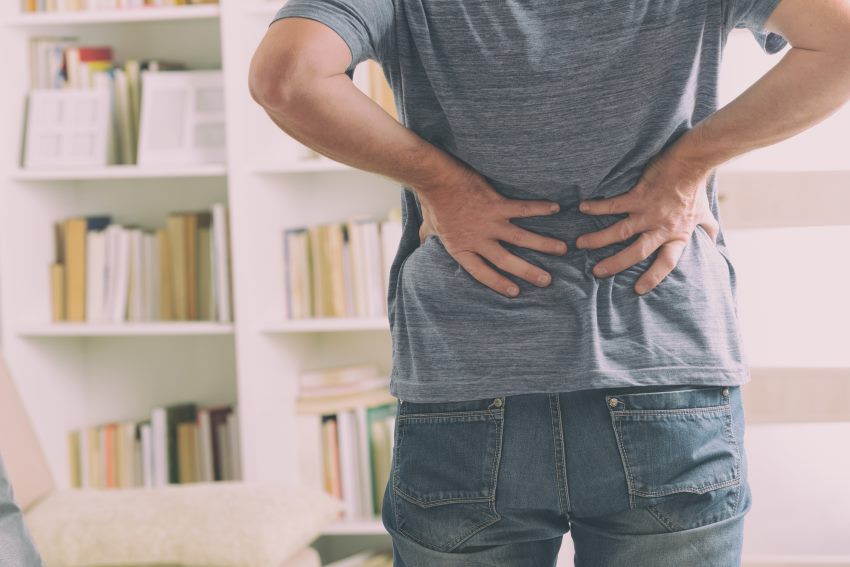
641,476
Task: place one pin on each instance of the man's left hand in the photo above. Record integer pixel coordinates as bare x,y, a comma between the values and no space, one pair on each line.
664,207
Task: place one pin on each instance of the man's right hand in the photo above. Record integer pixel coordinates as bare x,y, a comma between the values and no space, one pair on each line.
470,218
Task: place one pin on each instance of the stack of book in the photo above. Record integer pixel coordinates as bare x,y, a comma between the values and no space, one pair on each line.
58,63
178,444
109,273
83,5
340,269
346,420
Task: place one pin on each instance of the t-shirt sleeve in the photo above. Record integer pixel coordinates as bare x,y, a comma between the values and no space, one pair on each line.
752,15
366,26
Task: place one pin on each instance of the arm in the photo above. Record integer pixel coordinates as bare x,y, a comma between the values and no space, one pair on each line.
298,76
809,84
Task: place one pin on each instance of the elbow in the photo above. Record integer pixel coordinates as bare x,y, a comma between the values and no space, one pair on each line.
270,84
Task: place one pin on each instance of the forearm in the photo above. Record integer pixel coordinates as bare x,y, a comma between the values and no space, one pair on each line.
803,89
335,118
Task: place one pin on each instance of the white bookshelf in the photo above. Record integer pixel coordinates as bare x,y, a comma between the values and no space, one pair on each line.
89,17
77,374
176,328
120,172
71,375
329,325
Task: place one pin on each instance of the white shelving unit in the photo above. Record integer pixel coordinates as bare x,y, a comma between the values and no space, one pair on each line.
72,375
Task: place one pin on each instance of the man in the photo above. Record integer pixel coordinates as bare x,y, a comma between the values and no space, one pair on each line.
566,350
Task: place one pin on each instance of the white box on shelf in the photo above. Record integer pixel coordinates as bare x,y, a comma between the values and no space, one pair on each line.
67,128
182,118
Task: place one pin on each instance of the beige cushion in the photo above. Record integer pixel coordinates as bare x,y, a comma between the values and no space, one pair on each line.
221,524
26,465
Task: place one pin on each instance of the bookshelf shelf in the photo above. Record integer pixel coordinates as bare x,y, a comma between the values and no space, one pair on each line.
262,9
356,527
121,172
149,14
304,166
329,325
192,328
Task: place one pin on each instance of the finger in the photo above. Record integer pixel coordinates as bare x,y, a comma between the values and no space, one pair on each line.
611,206
617,232
637,251
667,259
527,208
478,269
515,265
527,239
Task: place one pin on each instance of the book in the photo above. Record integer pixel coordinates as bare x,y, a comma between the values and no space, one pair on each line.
75,268
187,442
333,404
330,456
218,423
221,263
380,450
57,292
348,462
176,415
179,270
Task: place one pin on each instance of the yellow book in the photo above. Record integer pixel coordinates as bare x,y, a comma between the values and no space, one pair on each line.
190,225
57,292
317,276
380,90
74,239
336,244
187,435
166,296
74,459
205,299
177,255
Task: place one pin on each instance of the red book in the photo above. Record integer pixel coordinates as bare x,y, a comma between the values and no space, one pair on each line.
111,457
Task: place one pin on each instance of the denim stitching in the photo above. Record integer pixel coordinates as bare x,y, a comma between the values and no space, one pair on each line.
696,490
560,454
454,543
678,411
498,419
439,501
738,451
497,459
624,459
663,519
459,415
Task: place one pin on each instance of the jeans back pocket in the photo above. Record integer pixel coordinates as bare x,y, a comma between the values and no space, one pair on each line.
673,441
445,469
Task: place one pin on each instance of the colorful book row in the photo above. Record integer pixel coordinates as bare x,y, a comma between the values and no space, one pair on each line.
340,269
347,451
179,444
108,273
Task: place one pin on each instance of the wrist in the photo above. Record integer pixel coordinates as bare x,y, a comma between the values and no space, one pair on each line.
437,168
696,151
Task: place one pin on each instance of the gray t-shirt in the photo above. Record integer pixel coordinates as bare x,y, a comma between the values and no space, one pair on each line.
563,101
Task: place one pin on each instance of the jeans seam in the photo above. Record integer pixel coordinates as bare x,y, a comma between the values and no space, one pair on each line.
625,461
560,458
680,411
